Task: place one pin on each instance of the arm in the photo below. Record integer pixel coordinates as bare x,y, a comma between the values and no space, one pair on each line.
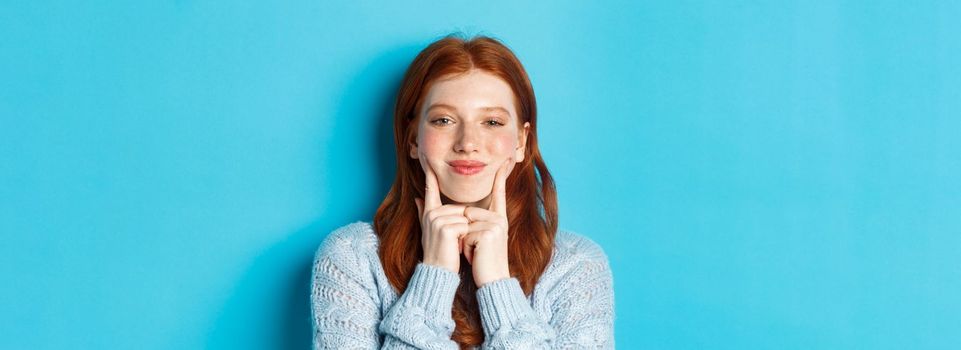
345,306
421,317
583,312
344,309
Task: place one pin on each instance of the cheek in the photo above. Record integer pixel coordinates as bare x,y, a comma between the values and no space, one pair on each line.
502,145
433,144
498,145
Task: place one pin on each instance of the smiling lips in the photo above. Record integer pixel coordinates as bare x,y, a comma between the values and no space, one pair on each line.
467,167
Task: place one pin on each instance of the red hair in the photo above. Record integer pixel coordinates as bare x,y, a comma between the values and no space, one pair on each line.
531,197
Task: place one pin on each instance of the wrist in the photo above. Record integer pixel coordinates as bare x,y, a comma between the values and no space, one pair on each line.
438,263
483,279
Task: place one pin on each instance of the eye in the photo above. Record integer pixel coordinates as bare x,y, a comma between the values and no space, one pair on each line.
441,121
493,122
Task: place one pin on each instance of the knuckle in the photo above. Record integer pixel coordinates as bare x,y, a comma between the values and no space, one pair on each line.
452,207
447,230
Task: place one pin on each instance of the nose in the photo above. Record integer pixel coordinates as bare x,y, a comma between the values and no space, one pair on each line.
468,139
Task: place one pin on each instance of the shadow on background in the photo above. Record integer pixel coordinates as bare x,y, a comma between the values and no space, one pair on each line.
270,306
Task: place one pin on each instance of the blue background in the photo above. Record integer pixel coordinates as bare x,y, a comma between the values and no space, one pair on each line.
761,174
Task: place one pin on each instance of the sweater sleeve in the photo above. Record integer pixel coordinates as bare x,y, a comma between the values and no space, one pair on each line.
421,317
583,312
345,308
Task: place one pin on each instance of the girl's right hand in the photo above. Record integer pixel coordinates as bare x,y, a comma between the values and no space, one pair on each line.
442,226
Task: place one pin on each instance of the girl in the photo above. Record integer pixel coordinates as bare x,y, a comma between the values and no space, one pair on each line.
464,251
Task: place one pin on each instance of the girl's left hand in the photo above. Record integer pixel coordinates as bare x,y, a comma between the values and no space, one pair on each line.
485,244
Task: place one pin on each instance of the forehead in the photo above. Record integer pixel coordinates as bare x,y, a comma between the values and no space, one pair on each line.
472,91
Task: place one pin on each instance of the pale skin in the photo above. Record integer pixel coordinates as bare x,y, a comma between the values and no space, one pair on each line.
468,117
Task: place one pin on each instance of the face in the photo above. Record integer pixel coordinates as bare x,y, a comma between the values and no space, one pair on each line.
469,117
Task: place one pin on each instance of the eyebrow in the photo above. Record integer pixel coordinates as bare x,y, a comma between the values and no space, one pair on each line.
485,109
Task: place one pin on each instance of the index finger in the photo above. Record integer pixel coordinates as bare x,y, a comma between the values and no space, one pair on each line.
499,202
431,189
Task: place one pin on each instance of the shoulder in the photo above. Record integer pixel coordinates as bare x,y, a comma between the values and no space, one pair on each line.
577,248
352,241
577,259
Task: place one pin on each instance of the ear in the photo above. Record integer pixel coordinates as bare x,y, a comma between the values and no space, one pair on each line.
413,150
521,142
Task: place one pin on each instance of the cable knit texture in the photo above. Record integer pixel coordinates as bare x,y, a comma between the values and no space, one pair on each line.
354,306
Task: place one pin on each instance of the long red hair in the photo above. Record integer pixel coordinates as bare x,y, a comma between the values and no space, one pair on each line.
531,197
